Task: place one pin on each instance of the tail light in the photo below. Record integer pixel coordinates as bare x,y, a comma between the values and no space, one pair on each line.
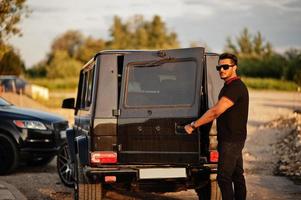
110,179
103,157
213,156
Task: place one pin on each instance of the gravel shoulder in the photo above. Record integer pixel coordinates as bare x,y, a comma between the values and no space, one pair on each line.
259,159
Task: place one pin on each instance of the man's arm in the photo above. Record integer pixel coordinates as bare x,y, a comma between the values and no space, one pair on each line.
221,106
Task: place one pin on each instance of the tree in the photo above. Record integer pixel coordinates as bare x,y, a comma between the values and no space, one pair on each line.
138,28
258,44
249,46
62,66
120,35
11,63
89,48
293,69
256,57
267,67
69,41
3,48
68,53
38,70
137,33
244,43
230,47
11,12
72,49
159,36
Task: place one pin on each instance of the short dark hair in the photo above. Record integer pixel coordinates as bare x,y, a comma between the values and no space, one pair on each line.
229,56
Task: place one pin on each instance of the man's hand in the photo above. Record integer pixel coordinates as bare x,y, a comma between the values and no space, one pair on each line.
189,129
220,107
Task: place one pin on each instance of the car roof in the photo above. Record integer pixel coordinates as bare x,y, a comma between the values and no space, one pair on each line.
126,51
146,50
8,77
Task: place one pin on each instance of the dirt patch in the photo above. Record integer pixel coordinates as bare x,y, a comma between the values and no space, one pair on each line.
288,148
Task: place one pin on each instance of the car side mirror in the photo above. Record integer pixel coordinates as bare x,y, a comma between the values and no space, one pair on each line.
68,103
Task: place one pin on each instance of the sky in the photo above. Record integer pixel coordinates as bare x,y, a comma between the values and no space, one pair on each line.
206,22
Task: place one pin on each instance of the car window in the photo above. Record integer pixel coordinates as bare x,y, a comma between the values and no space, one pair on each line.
87,87
167,84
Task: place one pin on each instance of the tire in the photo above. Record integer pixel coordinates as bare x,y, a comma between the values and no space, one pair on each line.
64,166
210,191
40,161
9,154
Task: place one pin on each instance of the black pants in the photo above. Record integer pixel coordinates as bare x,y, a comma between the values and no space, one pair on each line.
230,175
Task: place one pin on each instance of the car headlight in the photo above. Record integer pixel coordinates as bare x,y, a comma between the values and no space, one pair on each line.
29,124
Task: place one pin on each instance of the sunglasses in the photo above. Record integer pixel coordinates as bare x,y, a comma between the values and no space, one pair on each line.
225,67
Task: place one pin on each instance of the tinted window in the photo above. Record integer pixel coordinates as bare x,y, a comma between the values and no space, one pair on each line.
168,84
86,88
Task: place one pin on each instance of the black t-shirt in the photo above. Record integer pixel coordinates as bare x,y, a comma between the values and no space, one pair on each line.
232,124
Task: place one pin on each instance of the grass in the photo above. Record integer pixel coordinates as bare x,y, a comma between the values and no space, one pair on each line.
70,84
270,84
67,84
56,98
60,89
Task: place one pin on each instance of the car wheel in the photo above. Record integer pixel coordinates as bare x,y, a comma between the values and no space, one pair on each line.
9,154
40,161
65,167
210,191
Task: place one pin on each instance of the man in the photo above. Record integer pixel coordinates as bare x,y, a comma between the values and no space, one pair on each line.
231,112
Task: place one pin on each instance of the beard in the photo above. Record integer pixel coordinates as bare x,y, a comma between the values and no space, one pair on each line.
223,76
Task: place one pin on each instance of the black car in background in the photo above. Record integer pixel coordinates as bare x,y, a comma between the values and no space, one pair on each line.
28,136
10,83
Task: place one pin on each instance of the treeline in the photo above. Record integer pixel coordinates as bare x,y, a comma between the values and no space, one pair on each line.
11,13
72,49
258,59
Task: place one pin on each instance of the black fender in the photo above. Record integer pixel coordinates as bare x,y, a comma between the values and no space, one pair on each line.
70,134
78,145
82,142
11,131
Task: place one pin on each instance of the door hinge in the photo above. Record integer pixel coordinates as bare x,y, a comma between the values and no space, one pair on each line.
117,147
116,112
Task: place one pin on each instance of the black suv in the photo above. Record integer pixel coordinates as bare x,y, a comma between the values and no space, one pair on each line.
28,135
130,111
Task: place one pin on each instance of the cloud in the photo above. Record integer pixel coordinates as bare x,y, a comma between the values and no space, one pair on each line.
206,21
283,5
244,5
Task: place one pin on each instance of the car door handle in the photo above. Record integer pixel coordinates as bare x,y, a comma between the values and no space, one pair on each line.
179,129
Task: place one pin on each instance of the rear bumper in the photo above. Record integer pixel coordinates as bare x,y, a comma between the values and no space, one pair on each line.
131,173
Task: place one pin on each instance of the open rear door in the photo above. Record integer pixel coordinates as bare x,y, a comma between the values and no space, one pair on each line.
161,92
